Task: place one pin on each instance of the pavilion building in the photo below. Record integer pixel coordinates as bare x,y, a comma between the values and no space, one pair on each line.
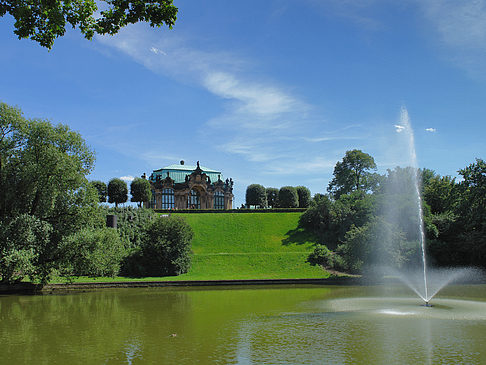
182,186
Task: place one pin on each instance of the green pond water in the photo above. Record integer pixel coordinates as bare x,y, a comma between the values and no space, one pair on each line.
245,325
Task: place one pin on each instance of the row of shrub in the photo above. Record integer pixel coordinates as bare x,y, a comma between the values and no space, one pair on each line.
285,197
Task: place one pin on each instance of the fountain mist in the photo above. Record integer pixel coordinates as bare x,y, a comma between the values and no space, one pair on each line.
408,131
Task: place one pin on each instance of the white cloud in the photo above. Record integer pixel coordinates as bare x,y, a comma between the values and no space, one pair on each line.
127,178
157,51
399,128
250,107
432,130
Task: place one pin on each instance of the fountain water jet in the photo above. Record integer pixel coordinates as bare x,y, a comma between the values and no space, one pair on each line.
405,128
426,283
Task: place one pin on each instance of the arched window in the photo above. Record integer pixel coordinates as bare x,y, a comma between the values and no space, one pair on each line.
218,200
193,201
167,199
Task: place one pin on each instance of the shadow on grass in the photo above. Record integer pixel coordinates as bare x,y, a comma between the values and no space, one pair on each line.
299,236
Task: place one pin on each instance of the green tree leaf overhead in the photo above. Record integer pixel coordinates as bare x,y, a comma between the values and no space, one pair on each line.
45,20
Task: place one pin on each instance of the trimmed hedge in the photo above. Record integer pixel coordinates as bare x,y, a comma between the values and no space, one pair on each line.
273,210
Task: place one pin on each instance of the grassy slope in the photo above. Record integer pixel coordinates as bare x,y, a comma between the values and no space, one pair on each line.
249,246
245,246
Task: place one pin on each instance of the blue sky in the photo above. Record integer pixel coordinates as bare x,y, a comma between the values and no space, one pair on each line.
269,92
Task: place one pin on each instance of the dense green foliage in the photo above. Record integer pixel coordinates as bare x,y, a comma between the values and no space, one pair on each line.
43,189
304,196
24,243
166,247
359,226
140,190
353,173
44,21
117,191
93,252
256,196
51,222
272,197
287,197
101,188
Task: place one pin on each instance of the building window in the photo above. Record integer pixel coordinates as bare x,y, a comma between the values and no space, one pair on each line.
218,200
193,201
153,202
167,199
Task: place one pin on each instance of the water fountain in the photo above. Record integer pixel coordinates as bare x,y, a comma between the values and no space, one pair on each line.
423,281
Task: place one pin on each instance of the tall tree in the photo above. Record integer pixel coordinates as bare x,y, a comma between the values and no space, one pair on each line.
43,21
140,190
472,206
43,172
352,173
256,195
304,195
117,191
272,197
287,197
101,188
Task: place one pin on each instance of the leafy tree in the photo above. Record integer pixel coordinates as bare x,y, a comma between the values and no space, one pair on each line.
101,188
439,193
43,172
375,243
472,190
256,195
93,252
353,173
131,223
332,219
272,197
322,256
117,191
166,247
44,21
287,197
318,216
23,240
140,190
304,196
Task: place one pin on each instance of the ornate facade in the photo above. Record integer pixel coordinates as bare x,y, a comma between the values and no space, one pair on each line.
186,187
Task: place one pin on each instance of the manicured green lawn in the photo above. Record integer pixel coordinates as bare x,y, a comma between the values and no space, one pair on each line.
230,246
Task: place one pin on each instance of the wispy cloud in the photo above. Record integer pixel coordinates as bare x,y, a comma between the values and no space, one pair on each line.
461,28
127,178
250,107
432,130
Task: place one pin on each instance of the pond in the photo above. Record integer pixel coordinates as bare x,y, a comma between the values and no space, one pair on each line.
245,325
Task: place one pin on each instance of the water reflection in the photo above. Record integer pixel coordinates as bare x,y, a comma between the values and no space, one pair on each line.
291,325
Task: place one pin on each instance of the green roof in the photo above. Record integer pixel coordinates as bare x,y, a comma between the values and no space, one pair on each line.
179,172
